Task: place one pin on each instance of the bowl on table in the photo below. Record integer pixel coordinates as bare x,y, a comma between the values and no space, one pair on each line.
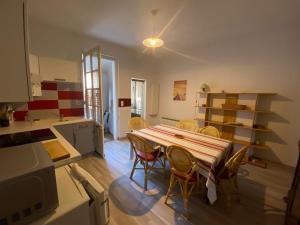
179,136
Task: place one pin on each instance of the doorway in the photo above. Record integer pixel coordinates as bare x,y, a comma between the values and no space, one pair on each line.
109,98
138,101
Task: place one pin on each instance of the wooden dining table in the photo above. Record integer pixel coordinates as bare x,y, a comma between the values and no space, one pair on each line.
209,151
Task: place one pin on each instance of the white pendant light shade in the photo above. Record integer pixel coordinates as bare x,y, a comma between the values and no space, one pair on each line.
153,42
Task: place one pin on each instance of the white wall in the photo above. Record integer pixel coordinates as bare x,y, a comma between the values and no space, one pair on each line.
262,62
58,43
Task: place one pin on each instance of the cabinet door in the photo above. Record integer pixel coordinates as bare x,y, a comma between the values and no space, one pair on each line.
67,132
84,137
34,64
35,76
15,79
52,69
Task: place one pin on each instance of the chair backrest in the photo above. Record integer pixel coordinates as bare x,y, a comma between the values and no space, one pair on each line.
137,123
180,159
139,144
210,130
233,164
191,125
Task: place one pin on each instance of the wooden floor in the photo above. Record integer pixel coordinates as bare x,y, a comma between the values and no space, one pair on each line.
261,193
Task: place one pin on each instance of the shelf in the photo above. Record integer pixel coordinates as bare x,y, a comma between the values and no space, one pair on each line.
237,110
256,162
235,93
248,143
232,125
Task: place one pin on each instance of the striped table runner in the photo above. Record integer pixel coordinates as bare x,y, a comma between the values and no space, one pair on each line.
208,150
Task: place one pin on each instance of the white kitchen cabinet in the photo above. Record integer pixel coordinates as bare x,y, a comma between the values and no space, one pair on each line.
67,131
36,79
53,69
15,78
83,136
34,64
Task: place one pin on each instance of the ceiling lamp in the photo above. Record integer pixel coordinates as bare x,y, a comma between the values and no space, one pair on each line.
153,42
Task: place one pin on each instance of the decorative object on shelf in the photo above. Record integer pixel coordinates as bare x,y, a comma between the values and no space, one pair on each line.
234,123
259,126
234,106
204,88
179,92
203,105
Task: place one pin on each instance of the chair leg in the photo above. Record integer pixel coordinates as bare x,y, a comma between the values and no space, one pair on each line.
146,168
133,168
234,184
185,197
131,152
171,186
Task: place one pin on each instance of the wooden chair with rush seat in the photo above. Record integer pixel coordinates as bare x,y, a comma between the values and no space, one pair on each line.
184,171
191,125
145,155
137,123
210,130
229,173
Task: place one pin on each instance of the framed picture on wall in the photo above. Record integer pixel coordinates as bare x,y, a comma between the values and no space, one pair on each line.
179,92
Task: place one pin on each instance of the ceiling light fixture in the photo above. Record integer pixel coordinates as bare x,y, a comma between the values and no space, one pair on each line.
153,42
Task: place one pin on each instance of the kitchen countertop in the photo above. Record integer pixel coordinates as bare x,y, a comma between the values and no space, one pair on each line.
21,126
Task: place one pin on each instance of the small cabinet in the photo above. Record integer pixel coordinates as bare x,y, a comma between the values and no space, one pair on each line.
35,76
82,136
53,69
15,78
67,132
34,64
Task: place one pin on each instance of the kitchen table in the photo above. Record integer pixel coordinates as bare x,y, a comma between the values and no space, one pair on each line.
207,149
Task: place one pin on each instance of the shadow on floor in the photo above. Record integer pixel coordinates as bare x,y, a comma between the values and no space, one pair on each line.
129,196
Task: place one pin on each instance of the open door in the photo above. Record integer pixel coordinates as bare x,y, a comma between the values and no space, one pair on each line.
92,86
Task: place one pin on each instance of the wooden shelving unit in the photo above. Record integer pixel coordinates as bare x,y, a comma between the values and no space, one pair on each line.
236,126
232,121
237,110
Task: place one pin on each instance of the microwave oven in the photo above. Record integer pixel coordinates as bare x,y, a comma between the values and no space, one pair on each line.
28,188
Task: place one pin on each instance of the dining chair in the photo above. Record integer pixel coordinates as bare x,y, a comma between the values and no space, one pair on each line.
210,130
229,172
191,125
146,155
137,123
184,171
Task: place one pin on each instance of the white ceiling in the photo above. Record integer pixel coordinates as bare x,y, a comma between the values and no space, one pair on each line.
198,22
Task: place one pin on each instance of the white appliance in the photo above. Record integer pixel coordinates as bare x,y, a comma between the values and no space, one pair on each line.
82,200
99,203
27,184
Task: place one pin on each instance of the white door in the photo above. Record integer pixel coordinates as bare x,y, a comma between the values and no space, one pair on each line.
92,85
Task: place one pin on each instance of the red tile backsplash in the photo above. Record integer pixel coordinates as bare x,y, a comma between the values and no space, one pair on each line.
72,112
70,95
66,94
49,86
43,104
20,115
